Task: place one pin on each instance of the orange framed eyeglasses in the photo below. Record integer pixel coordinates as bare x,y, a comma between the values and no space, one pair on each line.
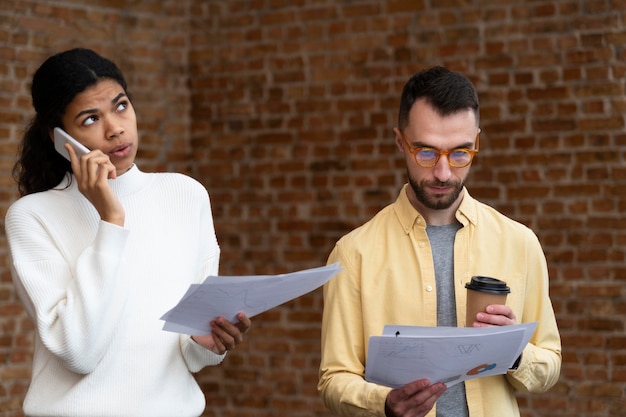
427,157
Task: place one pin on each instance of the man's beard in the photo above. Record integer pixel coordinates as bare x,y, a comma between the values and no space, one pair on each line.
441,203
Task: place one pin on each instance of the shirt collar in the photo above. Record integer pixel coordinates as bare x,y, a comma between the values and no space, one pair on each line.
408,216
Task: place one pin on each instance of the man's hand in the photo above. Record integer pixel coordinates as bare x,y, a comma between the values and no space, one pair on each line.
224,334
414,399
496,315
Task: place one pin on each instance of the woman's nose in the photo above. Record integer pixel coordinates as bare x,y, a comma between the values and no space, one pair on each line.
114,130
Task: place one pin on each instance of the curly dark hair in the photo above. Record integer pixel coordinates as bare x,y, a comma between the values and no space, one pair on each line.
55,84
447,91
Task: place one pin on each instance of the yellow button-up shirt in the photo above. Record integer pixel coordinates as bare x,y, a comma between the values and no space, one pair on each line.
388,277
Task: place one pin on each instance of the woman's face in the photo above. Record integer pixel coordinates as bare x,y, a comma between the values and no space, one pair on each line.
102,117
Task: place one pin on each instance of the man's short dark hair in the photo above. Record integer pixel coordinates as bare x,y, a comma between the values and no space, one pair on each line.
448,92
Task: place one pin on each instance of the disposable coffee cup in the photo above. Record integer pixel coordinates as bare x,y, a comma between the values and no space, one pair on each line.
481,292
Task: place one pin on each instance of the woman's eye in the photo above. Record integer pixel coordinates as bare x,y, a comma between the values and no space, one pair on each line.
89,120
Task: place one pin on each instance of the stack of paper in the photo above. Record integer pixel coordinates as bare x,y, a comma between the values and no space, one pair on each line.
443,354
228,295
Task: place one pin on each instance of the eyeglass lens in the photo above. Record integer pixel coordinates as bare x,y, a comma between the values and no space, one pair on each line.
456,158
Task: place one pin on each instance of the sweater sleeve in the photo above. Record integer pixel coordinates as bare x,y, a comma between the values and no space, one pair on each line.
75,303
196,356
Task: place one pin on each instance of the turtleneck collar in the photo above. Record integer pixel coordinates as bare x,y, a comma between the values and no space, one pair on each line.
128,183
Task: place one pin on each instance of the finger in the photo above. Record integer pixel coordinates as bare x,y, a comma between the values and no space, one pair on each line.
106,171
401,394
499,309
85,171
502,310
412,388
424,401
408,397
244,322
73,159
225,337
487,320
97,166
231,329
220,348
71,152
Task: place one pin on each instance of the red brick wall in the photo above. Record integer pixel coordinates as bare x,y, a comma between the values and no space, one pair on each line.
284,110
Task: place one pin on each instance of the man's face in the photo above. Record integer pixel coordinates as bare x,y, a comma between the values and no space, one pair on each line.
438,187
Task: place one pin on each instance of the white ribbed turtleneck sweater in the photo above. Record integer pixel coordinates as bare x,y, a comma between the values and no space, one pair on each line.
96,292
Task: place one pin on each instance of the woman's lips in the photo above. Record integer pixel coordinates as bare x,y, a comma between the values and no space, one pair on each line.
120,151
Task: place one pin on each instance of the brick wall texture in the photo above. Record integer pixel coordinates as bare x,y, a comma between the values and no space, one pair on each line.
284,110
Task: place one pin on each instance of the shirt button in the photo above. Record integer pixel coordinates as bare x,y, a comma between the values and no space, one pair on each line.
429,288
422,244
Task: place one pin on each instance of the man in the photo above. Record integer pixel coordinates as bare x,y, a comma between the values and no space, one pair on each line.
409,265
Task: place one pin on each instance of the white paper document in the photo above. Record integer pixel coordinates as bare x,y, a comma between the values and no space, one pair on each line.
443,354
228,295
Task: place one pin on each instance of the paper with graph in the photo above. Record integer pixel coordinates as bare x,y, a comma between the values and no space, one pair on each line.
228,295
443,354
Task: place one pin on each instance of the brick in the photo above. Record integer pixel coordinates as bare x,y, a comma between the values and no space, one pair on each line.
599,390
284,110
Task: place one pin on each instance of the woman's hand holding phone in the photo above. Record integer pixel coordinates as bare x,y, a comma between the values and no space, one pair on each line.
92,172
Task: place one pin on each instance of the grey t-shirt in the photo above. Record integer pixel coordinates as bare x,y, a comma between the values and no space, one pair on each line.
453,402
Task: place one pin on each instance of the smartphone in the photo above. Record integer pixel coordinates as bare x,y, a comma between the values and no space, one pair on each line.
61,137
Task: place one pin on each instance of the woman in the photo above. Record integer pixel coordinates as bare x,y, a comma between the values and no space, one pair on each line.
100,250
